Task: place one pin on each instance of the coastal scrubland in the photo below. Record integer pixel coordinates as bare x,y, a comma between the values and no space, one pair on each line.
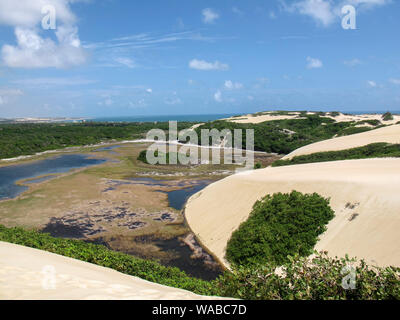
27,139
285,135
374,150
318,278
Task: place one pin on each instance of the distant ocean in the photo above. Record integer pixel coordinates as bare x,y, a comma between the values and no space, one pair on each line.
164,118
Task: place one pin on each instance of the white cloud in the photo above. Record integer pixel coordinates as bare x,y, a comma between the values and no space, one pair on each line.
207,66
232,85
237,11
107,102
371,83
209,15
395,81
218,96
149,90
141,103
52,82
173,101
352,63
32,49
127,62
7,94
314,63
325,12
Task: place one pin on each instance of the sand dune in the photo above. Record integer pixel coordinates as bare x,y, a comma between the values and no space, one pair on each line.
27,273
269,116
364,195
390,134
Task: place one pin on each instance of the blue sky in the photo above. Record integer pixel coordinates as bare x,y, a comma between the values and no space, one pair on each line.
126,58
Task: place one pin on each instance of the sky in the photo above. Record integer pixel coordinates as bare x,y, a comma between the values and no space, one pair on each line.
103,58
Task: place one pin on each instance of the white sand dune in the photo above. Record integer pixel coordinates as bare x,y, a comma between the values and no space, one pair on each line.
370,230
27,273
269,116
390,134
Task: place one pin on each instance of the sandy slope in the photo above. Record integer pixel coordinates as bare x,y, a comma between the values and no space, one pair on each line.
371,185
23,276
390,134
268,116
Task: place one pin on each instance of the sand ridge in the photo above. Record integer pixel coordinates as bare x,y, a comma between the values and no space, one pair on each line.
340,117
27,273
389,134
363,193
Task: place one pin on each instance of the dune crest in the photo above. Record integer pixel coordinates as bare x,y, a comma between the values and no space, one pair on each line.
390,134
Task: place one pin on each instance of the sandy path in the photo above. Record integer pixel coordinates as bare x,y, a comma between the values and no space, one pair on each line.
390,134
370,230
27,273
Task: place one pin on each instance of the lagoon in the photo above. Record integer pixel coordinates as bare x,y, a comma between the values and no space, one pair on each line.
10,175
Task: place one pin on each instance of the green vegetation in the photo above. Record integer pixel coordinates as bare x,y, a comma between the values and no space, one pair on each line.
284,136
257,166
279,226
387,116
27,139
374,150
163,157
319,279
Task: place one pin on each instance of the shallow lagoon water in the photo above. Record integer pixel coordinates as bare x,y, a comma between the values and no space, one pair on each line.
176,198
9,175
43,170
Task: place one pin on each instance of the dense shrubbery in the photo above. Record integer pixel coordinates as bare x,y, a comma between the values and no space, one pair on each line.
320,279
387,116
164,158
374,150
279,226
275,137
25,139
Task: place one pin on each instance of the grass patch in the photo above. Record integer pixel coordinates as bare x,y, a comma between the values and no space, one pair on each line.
374,150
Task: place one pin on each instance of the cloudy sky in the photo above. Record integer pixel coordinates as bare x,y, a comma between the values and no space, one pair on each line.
125,58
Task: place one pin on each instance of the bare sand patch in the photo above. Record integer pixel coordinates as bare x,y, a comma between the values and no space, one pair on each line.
390,134
364,196
340,117
27,273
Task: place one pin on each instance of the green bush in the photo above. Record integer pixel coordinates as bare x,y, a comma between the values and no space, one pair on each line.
319,278
279,226
164,157
387,116
374,150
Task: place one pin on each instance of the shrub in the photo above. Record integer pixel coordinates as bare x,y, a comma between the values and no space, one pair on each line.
279,226
387,116
319,278
374,150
